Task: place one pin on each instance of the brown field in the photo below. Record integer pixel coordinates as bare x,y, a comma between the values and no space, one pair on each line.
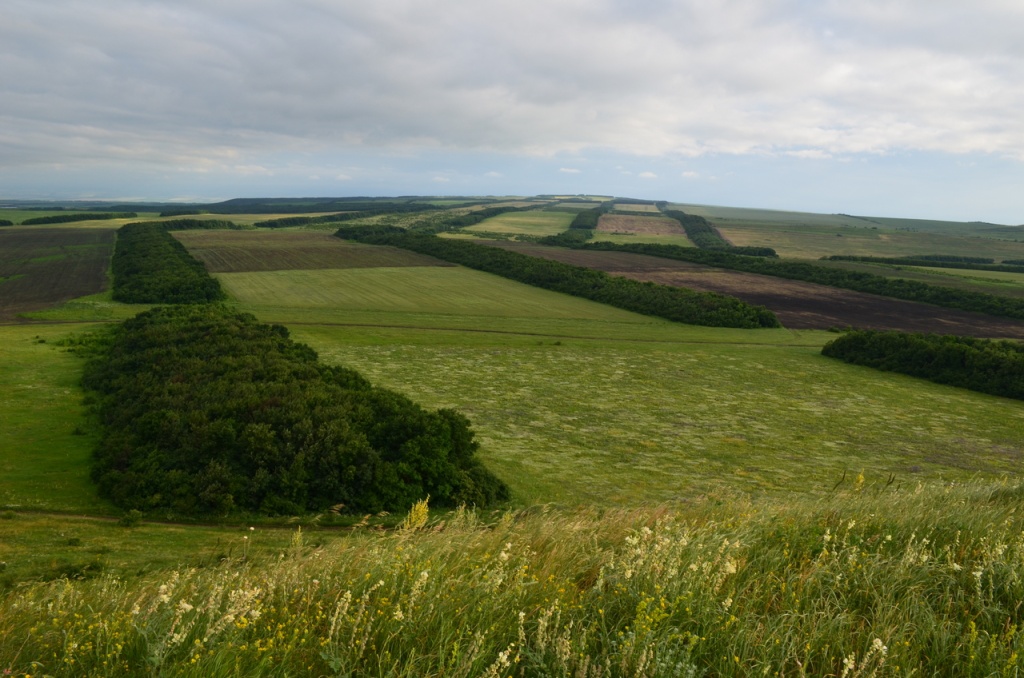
247,251
798,305
42,267
621,223
623,207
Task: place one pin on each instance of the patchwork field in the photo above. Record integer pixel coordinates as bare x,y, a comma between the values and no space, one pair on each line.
41,267
634,225
799,305
224,251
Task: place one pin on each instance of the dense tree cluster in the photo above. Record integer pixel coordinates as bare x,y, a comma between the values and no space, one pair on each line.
287,222
6,222
995,367
970,263
207,411
181,213
313,205
68,218
574,237
587,219
706,237
150,267
897,288
672,303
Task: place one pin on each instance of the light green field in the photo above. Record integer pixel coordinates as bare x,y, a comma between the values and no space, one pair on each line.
536,223
45,440
625,422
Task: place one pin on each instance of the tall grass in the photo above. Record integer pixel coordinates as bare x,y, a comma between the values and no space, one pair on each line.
870,582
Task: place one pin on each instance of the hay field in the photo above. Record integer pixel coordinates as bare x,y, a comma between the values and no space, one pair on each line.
535,223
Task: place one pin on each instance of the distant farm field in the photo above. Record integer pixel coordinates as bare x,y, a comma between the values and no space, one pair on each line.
537,223
224,251
634,225
42,267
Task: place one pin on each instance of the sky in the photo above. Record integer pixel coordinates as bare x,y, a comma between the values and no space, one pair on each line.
911,108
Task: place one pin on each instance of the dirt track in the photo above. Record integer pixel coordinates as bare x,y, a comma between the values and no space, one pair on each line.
798,305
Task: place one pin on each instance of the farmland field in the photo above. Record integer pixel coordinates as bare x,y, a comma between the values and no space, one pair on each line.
41,267
535,223
798,305
224,251
634,225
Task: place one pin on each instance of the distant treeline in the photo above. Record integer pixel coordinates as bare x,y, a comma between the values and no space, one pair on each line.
897,288
706,237
311,205
199,224
995,367
67,218
587,220
181,213
207,411
287,222
1013,262
672,303
933,261
150,267
6,222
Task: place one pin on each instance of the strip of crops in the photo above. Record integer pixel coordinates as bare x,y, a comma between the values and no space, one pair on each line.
206,410
897,288
706,237
151,267
672,303
68,218
994,367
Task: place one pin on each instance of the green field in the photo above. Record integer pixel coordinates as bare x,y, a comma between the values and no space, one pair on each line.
630,238
535,223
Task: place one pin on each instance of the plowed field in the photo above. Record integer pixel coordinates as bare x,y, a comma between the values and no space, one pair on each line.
247,251
41,267
799,305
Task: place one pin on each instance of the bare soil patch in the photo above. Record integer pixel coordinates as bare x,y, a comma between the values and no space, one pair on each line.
248,251
43,267
798,305
622,223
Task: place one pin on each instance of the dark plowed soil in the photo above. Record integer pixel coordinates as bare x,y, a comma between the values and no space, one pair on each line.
41,267
798,305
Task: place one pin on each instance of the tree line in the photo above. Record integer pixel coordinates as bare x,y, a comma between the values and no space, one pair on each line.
937,261
207,411
68,218
994,367
150,267
6,222
897,288
199,224
673,303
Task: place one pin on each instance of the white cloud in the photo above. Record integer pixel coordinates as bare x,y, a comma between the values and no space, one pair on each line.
441,180
690,174
343,177
569,170
493,175
647,175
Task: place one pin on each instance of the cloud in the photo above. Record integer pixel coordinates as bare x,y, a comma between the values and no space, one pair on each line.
690,174
441,180
569,170
493,175
647,175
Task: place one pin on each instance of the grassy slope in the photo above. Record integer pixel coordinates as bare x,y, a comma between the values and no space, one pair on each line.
538,223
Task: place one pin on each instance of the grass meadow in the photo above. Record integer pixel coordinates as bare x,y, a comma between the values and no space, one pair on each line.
687,501
537,223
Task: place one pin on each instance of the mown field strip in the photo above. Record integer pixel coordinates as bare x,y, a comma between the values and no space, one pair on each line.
624,424
525,223
446,290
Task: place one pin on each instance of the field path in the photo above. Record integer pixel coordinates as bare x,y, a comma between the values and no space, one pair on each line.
798,305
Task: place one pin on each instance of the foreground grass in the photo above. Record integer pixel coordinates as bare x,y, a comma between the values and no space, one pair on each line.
924,581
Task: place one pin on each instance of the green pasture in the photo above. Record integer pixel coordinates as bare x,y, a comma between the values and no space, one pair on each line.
989,282
626,422
45,438
536,223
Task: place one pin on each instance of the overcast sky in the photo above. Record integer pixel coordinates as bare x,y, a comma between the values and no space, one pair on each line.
873,107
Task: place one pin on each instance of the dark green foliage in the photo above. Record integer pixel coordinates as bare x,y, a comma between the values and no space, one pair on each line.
936,261
67,218
180,213
151,267
207,411
6,222
995,367
587,220
574,237
285,222
199,224
672,303
1013,262
897,288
